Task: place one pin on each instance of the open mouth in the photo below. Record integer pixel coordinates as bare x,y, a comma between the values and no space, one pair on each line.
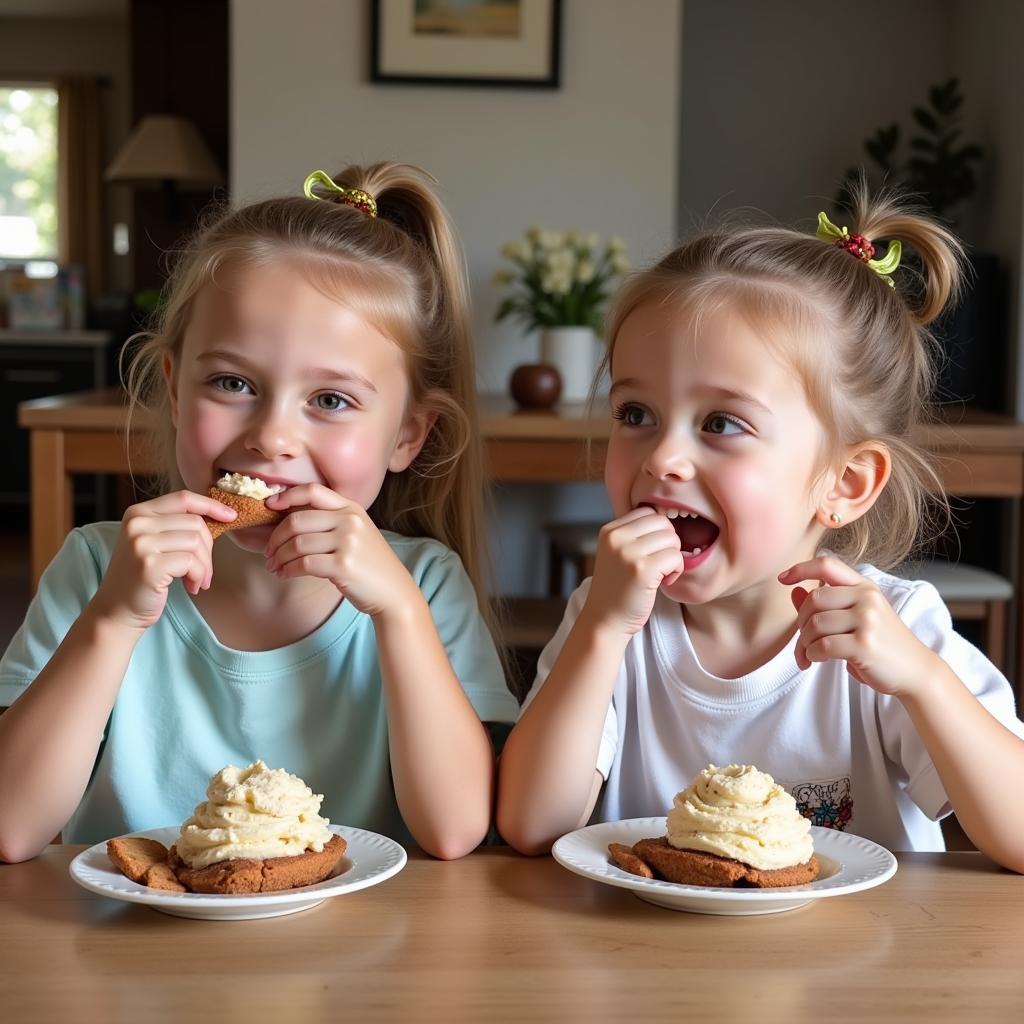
696,534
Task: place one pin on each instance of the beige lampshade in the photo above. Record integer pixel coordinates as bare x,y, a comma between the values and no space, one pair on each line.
164,147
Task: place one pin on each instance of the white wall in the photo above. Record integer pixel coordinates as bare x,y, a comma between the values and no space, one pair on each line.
598,154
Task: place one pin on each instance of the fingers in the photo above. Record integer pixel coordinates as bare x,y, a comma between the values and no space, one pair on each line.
303,523
301,546
307,496
825,569
183,502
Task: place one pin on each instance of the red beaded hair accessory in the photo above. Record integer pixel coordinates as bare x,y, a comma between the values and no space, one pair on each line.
355,197
861,248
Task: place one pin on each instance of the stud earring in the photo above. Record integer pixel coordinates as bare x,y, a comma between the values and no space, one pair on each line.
835,518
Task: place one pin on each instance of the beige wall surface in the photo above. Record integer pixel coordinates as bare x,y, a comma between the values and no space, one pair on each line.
598,154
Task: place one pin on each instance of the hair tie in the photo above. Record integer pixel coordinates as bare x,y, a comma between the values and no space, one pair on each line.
861,248
355,197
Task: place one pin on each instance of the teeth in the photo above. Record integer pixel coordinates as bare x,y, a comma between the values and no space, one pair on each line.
678,513
694,552
672,513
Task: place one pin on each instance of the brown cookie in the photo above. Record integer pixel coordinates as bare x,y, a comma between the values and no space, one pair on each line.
251,512
143,861
624,857
694,867
245,875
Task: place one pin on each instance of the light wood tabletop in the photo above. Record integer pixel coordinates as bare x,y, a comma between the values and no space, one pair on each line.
498,937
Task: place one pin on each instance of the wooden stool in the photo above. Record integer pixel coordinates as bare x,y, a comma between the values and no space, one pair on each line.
572,543
528,623
972,594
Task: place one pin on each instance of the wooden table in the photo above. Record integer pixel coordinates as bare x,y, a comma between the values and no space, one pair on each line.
497,937
980,455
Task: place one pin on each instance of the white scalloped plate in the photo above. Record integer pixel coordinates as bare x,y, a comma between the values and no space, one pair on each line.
369,859
849,863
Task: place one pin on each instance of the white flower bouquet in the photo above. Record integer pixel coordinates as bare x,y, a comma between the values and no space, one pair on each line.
559,278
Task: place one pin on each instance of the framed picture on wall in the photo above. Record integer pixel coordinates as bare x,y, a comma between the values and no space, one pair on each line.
466,42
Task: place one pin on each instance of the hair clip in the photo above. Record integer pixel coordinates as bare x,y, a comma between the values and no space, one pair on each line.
349,196
861,248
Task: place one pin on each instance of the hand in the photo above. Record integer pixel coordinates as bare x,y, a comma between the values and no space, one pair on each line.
850,619
636,555
160,541
334,539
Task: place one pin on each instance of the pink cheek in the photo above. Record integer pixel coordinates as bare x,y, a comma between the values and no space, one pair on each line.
350,466
202,436
619,478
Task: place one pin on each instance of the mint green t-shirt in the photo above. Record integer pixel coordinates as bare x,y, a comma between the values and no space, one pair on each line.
188,705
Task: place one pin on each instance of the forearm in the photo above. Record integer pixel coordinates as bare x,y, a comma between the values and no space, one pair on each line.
49,737
442,761
546,785
978,761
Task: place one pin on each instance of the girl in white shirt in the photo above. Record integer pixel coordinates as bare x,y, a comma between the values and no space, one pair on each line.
764,385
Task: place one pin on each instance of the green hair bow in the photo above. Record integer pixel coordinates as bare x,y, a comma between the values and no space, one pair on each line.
861,248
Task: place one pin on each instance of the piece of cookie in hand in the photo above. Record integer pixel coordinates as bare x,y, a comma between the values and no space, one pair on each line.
247,495
143,861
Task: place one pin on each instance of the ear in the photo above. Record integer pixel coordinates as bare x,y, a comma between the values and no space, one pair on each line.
167,365
859,483
411,439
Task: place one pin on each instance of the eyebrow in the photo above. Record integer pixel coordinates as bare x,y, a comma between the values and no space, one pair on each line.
718,392
321,373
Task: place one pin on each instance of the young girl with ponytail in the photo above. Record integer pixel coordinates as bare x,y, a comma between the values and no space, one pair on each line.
763,475
321,344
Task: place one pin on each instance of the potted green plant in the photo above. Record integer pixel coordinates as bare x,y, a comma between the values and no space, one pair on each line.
938,169
559,283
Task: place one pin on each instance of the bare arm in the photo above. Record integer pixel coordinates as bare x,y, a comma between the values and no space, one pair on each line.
548,782
49,737
979,761
441,756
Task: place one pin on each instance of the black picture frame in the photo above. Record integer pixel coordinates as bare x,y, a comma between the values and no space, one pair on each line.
400,55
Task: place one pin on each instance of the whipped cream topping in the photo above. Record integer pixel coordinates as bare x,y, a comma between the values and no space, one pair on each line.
742,813
256,812
248,486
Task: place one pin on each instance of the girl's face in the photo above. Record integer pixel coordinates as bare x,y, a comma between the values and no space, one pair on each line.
715,429
277,380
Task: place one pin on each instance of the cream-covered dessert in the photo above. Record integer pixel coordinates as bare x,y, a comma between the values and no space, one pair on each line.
257,813
731,826
248,486
740,813
247,495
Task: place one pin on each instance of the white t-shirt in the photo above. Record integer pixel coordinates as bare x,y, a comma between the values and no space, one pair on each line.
850,756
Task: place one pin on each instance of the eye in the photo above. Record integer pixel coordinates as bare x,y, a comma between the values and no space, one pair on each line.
724,424
231,384
632,415
331,401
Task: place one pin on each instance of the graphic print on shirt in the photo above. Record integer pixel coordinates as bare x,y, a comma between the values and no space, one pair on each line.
828,803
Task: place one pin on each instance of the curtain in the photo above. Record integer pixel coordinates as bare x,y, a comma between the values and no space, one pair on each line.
79,179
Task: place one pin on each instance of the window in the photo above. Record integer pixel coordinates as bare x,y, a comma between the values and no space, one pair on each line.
28,172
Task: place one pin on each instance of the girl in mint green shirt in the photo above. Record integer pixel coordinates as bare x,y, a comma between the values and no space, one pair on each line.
321,344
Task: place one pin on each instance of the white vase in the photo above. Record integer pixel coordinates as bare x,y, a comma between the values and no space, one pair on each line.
573,352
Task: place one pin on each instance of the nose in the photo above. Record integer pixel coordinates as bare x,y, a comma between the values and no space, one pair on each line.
274,432
669,459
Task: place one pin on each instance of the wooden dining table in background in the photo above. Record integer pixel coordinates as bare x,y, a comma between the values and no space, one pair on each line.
499,937
980,454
